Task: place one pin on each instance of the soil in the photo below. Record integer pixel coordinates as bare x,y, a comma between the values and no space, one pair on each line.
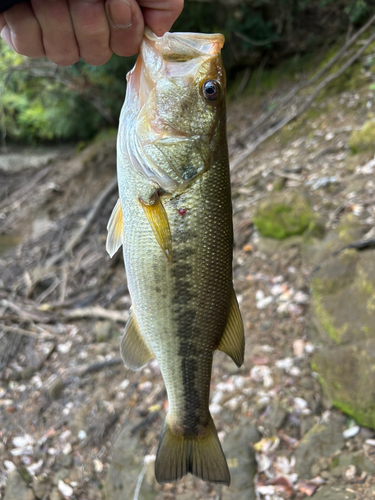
63,390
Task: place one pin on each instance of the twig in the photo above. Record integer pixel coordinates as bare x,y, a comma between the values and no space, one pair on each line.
241,157
96,367
26,333
24,314
257,43
48,291
95,312
77,236
312,80
291,177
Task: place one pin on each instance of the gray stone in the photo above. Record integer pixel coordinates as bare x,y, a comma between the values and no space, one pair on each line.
60,476
321,441
103,330
67,460
334,493
41,486
126,467
242,464
55,495
55,387
361,463
17,489
276,416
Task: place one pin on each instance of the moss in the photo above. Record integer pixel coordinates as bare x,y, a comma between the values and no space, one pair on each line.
283,214
326,321
363,139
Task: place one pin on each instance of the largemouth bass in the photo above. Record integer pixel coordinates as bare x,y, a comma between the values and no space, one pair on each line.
174,219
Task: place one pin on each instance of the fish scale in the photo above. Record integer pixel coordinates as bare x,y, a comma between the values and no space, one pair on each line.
177,240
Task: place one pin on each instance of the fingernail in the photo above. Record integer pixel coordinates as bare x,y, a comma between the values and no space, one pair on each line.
120,14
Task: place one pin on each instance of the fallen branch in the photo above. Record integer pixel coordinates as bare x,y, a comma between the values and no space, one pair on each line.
241,157
27,315
78,235
95,312
27,333
308,83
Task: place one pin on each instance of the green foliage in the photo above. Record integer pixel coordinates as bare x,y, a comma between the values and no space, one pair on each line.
40,102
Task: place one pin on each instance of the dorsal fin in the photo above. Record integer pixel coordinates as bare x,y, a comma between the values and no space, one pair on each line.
233,340
158,220
115,227
134,350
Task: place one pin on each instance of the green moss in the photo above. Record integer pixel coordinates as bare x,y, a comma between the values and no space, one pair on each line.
283,214
363,139
336,334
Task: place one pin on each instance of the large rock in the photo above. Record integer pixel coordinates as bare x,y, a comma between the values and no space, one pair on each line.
242,464
343,315
335,493
321,441
284,214
17,489
363,139
127,467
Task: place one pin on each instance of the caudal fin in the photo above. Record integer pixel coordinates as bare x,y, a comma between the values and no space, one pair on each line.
201,456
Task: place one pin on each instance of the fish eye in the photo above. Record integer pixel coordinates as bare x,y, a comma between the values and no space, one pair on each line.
211,90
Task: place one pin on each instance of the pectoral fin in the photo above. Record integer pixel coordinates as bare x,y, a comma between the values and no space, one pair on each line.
157,217
115,229
233,340
134,351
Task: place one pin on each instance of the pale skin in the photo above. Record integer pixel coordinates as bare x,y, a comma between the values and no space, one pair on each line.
66,30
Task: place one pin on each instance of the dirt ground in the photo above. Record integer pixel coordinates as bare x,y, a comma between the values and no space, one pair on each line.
64,393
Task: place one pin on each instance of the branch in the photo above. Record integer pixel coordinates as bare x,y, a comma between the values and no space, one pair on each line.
78,235
303,85
242,156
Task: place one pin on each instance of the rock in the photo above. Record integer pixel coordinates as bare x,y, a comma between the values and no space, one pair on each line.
363,139
54,387
321,441
334,493
344,315
41,486
316,250
126,467
104,331
60,476
275,417
242,464
16,488
67,460
284,214
361,463
55,494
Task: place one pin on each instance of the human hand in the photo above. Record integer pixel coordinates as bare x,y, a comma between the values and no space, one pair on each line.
65,30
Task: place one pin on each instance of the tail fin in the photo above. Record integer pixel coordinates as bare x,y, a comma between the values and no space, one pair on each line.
201,456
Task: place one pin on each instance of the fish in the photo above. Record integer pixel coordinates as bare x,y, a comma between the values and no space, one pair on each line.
174,221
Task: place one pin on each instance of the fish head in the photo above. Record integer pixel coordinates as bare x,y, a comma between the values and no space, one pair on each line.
174,106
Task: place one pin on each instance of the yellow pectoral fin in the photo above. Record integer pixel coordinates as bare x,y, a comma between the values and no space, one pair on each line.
134,351
233,340
158,220
115,229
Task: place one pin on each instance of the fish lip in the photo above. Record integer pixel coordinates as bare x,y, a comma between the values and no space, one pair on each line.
209,44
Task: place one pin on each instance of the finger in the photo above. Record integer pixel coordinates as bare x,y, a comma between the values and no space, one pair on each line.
59,40
24,30
91,30
5,32
159,15
126,23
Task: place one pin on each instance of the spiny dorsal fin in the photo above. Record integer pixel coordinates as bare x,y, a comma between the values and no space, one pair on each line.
134,351
158,220
233,340
115,227
201,455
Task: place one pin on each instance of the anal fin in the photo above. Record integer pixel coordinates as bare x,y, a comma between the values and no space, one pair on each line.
233,340
115,229
134,350
158,220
